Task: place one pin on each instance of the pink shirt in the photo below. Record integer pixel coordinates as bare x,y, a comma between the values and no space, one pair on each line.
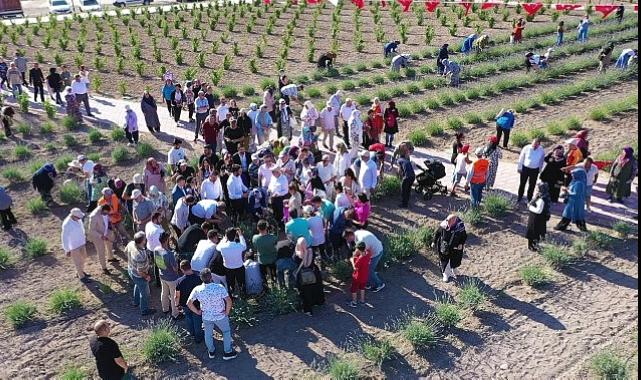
362,211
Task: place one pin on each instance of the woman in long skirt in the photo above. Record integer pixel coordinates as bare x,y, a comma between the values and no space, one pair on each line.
311,293
623,171
449,242
493,153
150,110
539,214
574,210
73,108
552,173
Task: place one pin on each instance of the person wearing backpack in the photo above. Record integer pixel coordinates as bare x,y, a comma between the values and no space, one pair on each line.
308,277
504,124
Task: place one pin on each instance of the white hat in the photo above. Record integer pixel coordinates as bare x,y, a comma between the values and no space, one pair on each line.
81,157
153,191
479,151
75,164
136,193
137,178
76,212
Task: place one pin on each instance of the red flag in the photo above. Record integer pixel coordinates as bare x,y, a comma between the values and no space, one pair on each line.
489,4
359,3
567,7
406,4
431,5
532,8
605,9
467,5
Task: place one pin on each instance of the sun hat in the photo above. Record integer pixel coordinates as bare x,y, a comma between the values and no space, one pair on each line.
137,179
81,157
76,212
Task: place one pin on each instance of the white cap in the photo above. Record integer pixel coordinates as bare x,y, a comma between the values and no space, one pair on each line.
81,157
479,151
76,212
137,178
136,193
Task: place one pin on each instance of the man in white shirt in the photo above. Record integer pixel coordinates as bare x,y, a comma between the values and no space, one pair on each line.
328,122
153,229
204,253
80,89
335,101
232,247
180,218
367,174
317,230
206,209
531,161
222,110
345,113
265,171
176,153
237,192
375,246
278,189
211,188
74,241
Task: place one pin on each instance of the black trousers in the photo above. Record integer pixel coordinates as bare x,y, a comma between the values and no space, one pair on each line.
506,135
8,219
238,207
406,188
58,98
190,109
132,136
38,89
236,280
84,98
268,270
24,78
528,175
346,133
169,107
176,112
200,119
277,207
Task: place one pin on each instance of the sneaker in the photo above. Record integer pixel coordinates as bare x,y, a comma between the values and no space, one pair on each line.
230,355
114,260
85,280
379,288
148,312
445,278
369,287
352,304
211,354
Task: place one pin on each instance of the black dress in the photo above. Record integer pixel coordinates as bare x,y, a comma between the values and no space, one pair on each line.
536,224
446,243
456,147
311,294
553,176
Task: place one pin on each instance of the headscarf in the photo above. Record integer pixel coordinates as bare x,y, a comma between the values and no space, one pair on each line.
99,171
148,99
47,169
152,166
543,193
355,119
391,104
443,53
579,175
583,134
625,156
493,143
457,227
309,112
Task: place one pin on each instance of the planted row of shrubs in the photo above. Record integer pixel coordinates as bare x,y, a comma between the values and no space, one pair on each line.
20,312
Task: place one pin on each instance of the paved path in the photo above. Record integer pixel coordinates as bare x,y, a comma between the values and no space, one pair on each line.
110,111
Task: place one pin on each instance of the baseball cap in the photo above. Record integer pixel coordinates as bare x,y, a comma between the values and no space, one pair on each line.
76,212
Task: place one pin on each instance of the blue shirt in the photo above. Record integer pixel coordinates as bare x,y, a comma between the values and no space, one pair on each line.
167,90
506,121
299,228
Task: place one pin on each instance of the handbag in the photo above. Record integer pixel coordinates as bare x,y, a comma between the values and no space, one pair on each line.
307,275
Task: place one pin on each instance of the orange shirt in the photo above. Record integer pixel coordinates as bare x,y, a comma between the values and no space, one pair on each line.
115,216
574,157
481,167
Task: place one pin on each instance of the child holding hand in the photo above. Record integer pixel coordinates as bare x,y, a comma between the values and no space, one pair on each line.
360,262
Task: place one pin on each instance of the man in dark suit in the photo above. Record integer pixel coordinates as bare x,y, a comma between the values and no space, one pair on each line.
243,159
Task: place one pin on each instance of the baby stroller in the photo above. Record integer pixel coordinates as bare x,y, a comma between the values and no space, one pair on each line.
427,181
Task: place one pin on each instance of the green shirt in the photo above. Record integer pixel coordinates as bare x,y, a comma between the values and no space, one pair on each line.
265,246
297,228
327,208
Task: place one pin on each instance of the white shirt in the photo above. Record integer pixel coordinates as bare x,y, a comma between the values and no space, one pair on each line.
205,208
461,164
278,187
232,252
73,234
368,175
105,220
253,278
531,158
265,173
591,174
252,116
175,155
346,111
327,119
87,168
78,88
180,218
317,230
235,187
325,172
342,163
212,300
211,190
153,231
371,241
342,201
221,112
203,255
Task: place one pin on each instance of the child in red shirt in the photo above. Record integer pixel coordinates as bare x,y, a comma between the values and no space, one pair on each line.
360,262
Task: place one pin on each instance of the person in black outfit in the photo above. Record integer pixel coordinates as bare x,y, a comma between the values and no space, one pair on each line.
177,101
188,241
407,178
43,181
552,174
109,361
209,154
457,145
619,13
54,81
6,117
233,136
185,285
37,79
442,54
538,216
326,61
449,242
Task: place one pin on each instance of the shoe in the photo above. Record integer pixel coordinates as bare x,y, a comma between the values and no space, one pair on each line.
114,260
148,312
166,312
90,114
445,278
369,287
130,144
308,313
85,280
230,355
379,288
178,317
211,354
87,274
559,228
352,304
106,271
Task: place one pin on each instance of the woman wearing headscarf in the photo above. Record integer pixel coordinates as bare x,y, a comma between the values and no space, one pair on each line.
245,125
43,181
574,210
355,128
622,172
377,122
442,54
160,201
457,145
99,180
177,101
308,277
72,105
391,123
131,126
154,175
582,142
493,154
342,159
552,173
449,241
452,69
539,214
150,111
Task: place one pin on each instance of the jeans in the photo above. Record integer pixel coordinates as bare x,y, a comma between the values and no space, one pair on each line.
476,191
406,189
194,324
559,39
374,281
223,325
281,266
141,292
16,89
389,139
527,175
583,35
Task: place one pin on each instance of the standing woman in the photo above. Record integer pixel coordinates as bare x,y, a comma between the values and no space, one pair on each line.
269,101
493,154
342,159
308,277
539,214
154,175
391,123
449,241
457,145
167,90
517,34
560,31
73,107
443,53
245,124
150,111
234,110
623,171
190,99
131,126
377,121
552,174
574,210
355,128
177,101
